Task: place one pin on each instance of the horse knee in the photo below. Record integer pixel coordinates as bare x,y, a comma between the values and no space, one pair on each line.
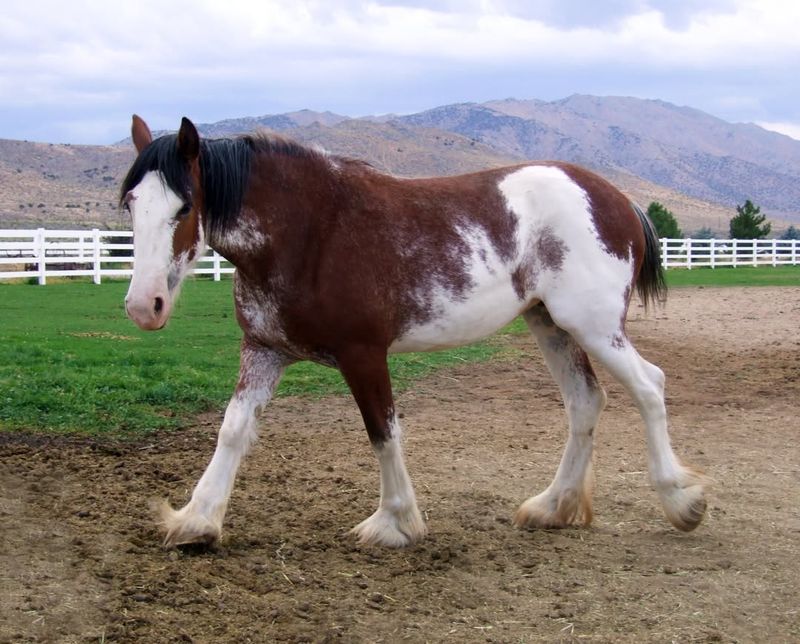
238,428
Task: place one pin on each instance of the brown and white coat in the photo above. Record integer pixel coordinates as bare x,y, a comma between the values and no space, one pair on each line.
340,264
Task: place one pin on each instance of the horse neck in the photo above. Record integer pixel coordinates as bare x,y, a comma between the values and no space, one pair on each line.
289,197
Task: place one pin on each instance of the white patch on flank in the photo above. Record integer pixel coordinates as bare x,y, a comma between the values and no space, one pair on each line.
541,199
486,306
546,198
587,299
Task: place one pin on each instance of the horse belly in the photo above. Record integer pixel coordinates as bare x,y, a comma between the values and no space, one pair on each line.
458,320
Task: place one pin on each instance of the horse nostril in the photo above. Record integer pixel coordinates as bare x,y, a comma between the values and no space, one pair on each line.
159,306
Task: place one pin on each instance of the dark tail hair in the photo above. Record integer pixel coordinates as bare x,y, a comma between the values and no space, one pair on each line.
650,283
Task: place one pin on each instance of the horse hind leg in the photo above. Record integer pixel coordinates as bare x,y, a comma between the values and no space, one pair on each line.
568,499
681,489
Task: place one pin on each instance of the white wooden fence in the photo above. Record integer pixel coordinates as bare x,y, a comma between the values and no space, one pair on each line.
97,254
696,253
94,253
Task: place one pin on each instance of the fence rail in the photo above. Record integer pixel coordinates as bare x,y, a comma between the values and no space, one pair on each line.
697,253
41,253
94,253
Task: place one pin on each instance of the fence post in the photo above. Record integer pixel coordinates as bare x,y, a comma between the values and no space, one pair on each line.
755,251
713,250
96,255
664,254
40,255
795,242
735,251
217,267
689,253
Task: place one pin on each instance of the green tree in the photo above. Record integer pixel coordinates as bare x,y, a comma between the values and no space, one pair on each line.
748,223
790,233
704,233
664,221
702,237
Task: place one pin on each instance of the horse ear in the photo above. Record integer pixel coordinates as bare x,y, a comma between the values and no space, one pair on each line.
188,140
140,133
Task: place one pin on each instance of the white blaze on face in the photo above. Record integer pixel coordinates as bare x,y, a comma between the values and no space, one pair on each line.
153,207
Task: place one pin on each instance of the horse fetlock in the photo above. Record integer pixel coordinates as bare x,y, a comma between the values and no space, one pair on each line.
187,525
392,529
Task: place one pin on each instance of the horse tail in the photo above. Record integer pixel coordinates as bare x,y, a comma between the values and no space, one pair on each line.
650,283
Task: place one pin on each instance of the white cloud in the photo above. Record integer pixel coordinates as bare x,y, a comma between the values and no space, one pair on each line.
93,38
93,55
789,129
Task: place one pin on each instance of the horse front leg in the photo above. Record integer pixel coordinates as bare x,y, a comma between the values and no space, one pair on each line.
397,522
200,520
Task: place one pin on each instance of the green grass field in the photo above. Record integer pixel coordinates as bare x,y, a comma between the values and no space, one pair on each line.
739,276
71,362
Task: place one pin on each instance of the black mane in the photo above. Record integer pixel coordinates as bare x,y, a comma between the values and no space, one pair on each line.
161,155
224,169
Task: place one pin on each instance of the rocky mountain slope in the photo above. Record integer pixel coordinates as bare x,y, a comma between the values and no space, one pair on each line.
676,147
697,165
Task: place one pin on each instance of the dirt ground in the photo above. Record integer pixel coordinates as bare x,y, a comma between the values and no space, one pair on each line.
80,558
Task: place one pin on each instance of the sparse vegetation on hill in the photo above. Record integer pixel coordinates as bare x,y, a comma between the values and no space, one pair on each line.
696,166
51,185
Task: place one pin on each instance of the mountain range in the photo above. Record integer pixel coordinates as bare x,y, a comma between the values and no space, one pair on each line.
697,165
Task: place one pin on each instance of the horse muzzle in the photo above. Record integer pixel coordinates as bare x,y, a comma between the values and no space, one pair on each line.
149,312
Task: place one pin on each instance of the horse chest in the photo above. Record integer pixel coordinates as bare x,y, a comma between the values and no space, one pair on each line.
258,315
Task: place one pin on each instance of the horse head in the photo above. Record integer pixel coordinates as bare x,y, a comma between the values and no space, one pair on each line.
163,193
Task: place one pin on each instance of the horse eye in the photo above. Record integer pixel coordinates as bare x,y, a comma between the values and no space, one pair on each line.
184,210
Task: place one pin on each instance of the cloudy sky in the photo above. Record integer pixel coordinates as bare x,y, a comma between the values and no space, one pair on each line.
74,71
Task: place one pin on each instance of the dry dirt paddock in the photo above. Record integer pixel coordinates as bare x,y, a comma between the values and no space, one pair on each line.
81,561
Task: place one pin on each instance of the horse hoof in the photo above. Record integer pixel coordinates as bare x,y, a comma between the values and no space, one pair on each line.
181,527
384,528
548,511
684,501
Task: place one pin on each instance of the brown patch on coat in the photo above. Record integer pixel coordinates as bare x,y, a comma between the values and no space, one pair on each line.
187,231
545,252
618,341
616,223
186,236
